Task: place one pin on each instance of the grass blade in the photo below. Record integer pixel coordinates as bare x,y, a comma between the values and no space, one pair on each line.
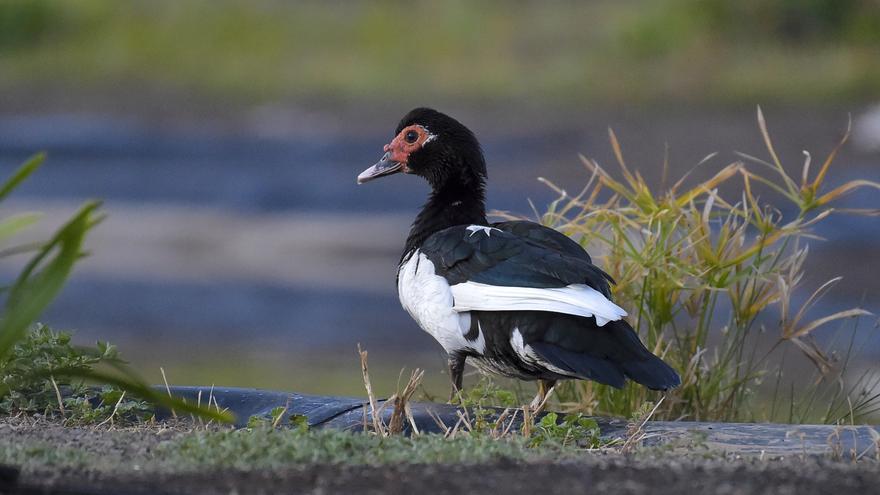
22,173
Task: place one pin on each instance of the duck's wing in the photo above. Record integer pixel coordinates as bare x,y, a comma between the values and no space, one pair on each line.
545,236
490,269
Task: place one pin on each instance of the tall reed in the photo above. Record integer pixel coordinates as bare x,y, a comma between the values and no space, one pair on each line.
695,268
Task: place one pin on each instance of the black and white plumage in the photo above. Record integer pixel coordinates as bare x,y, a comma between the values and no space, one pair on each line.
517,298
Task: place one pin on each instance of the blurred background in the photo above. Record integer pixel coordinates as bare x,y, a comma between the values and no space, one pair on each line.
225,137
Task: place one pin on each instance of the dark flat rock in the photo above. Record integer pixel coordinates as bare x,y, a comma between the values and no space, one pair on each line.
743,438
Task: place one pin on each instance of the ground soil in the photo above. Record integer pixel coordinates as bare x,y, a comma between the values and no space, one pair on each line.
601,472
596,474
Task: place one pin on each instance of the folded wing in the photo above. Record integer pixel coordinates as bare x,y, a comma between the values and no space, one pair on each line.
490,269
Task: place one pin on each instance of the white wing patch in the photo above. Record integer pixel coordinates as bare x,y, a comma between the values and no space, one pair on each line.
473,229
427,298
575,299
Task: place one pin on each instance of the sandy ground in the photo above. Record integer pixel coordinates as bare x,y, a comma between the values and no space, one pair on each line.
604,472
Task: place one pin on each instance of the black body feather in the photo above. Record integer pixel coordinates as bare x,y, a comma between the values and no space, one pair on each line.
576,345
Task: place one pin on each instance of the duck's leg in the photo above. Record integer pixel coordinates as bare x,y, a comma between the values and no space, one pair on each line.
545,388
456,373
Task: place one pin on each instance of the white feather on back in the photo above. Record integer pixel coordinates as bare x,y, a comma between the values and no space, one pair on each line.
575,299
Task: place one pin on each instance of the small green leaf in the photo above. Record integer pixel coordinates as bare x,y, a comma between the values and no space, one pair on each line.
16,223
22,173
300,421
42,278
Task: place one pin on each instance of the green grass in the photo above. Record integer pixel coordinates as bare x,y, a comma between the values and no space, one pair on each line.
263,448
38,454
479,438
637,50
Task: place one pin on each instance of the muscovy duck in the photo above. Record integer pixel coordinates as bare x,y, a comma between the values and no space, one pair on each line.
518,298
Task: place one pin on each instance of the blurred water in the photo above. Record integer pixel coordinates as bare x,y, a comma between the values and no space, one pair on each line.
238,239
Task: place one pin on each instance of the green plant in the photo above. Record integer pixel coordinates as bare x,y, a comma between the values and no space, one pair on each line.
486,393
29,364
44,274
276,418
696,267
44,353
573,429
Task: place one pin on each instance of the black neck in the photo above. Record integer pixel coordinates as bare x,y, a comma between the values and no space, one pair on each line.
451,205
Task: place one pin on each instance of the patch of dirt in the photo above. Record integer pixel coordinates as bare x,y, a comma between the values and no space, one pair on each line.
596,474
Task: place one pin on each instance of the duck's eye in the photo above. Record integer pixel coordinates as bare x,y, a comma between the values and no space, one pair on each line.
411,137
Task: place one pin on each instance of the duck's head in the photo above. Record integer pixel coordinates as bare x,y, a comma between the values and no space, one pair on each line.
435,146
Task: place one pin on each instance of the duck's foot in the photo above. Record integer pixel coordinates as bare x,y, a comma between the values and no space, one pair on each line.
454,396
545,389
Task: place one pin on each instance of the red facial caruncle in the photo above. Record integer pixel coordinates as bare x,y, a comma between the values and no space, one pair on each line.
397,152
408,141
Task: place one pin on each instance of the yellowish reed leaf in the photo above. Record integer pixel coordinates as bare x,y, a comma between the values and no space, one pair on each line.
762,125
818,218
722,176
588,164
608,181
820,177
845,189
615,145
819,359
814,297
760,305
752,201
707,208
849,313
785,298
723,243
679,182
792,196
868,212
759,245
